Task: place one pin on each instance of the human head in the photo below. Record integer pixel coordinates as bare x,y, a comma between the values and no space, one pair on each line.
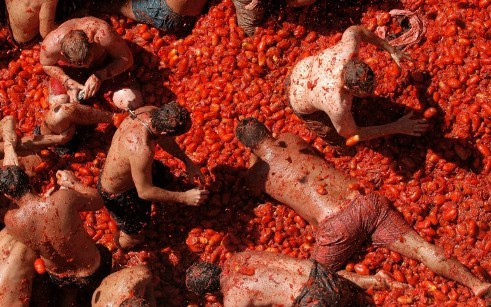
358,77
203,277
171,119
75,46
134,302
251,132
14,182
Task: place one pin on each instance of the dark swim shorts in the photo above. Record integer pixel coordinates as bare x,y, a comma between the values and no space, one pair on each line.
158,14
326,288
129,211
368,216
91,282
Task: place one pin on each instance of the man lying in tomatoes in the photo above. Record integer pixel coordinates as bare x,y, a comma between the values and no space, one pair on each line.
288,170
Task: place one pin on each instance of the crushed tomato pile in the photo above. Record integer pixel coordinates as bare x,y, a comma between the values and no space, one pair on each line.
440,182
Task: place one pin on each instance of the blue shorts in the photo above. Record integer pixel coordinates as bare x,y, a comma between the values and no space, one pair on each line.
158,14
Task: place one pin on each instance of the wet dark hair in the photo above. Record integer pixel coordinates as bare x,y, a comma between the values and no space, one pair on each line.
359,78
14,182
171,118
251,132
75,46
134,302
203,277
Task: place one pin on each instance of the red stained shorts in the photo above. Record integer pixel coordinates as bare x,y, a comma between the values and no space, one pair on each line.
369,216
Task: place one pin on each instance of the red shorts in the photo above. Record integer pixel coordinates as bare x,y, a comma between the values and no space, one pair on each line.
369,216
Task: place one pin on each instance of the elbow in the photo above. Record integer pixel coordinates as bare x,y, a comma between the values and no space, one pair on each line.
144,194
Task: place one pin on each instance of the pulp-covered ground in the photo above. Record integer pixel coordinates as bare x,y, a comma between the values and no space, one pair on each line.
440,182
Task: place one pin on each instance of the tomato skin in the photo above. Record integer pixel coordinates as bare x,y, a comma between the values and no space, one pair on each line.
39,266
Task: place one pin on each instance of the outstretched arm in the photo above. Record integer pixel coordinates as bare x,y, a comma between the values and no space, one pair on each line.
380,281
88,198
356,34
168,144
346,126
41,141
141,172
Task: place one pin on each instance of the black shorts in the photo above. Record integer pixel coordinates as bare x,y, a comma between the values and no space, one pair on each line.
326,288
91,282
129,211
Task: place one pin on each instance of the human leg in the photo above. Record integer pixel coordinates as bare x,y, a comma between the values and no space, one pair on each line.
414,246
10,139
250,14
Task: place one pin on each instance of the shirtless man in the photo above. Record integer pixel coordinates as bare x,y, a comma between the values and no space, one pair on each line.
170,16
16,271
288,170
321,90
51,227
91,46
30,19
126,182
131,286
254,278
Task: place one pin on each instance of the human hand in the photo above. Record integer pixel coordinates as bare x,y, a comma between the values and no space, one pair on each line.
408,125
72,88
397,55
195,197
194,171
91,86
66,179
385,281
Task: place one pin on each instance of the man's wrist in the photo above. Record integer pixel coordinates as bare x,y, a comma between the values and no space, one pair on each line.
101,74
66,80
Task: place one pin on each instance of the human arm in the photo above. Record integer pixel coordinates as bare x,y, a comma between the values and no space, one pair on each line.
88,199
47,17
9,140
255,175
169,145
356,34
382,280
345,125
40,141
49,57
117,48
141,172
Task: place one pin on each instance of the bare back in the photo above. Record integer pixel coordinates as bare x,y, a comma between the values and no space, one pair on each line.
53,228
316,82
296,176
98,31
28,18
123,284
254,278
131,141
16,271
